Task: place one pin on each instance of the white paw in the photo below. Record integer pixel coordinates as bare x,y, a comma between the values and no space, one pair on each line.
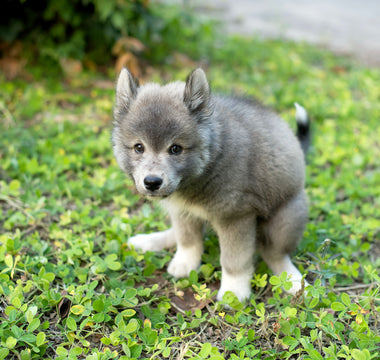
240,285
285,264
153,242
296,285
185,260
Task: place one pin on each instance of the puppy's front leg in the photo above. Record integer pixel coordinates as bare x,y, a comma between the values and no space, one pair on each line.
237,246
188,234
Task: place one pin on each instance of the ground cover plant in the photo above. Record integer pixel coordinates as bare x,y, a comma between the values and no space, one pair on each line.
71,287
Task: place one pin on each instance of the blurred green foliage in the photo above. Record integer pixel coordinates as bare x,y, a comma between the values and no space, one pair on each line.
88,29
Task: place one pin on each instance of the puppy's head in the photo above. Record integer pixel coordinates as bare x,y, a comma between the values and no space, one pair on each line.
160,132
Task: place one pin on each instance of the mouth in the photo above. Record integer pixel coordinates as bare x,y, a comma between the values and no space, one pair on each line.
154,195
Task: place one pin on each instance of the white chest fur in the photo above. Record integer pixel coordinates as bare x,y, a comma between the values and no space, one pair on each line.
178,204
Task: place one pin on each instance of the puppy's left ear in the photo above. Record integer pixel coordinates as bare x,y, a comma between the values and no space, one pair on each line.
197,92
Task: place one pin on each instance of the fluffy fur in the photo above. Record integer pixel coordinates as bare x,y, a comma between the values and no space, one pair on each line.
226,161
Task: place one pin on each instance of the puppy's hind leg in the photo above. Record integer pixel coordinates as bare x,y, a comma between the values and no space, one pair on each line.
153,242
281,235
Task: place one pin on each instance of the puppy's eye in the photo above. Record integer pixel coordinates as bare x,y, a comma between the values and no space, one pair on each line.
175,149
139,148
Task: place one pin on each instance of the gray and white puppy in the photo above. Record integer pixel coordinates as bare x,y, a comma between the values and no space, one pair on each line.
220,160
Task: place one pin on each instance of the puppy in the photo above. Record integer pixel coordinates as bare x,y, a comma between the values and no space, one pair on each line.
226,161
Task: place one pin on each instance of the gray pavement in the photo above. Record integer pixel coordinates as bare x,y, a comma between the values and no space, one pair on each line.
350,27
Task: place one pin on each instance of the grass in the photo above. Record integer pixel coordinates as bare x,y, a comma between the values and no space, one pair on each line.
71,288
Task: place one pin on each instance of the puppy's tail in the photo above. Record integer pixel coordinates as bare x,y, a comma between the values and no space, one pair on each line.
303,127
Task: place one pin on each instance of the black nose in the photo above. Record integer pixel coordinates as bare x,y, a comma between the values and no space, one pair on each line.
152,183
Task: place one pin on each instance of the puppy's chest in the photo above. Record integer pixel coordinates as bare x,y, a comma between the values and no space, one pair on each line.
182,205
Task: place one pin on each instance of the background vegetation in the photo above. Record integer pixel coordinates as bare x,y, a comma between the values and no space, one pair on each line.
71,288
94,32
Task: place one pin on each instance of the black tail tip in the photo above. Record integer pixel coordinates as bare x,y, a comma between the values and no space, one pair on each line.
303,127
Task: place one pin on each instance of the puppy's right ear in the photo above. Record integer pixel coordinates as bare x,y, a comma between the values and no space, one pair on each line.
126,91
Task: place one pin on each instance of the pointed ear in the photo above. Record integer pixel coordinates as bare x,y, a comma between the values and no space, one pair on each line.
197,92
126,91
